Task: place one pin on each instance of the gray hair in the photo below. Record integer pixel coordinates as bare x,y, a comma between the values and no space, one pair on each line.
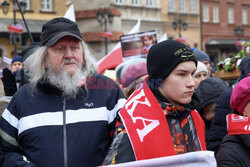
35,69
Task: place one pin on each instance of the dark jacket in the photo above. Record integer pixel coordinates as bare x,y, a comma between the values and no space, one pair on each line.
20,77
1,154
50,130
219,126
234,151
208,92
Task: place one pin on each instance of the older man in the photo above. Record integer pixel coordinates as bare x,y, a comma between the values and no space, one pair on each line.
65,115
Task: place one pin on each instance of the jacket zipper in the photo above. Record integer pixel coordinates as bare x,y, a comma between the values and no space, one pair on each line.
65,135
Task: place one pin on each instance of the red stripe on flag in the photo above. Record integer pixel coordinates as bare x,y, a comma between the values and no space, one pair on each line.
14,29
181,40
112,60
106,34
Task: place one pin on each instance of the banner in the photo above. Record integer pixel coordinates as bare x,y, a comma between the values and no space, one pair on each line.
137,45
192,159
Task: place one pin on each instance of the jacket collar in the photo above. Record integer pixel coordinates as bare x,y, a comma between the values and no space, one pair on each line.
47,87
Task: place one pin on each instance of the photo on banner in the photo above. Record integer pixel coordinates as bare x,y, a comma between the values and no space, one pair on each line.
137,45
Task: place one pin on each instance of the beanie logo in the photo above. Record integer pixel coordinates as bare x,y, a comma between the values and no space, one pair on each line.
185,50
181,50
184,56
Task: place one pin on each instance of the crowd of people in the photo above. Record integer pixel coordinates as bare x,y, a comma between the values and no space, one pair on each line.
61,112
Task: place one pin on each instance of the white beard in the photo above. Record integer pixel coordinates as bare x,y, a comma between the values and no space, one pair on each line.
65,82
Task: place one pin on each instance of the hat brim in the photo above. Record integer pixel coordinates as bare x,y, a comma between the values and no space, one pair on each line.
57,37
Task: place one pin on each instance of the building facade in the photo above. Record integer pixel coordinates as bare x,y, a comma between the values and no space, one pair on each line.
223,23
37,12
181,21
125,15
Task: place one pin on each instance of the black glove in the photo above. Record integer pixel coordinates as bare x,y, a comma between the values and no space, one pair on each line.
9,82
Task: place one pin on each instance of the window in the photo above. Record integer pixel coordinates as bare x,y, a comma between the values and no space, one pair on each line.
149,2
27,3
47,5
244,17
182,6
119,1
134,2
205,13
215,14
230,16
171,6
193,6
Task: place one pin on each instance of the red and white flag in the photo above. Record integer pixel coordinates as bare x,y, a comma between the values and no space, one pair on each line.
181,39
15,28
114,57
106,34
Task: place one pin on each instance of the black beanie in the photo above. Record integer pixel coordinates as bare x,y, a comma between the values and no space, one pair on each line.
165,56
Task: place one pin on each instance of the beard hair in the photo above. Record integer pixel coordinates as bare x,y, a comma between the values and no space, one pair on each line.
67,83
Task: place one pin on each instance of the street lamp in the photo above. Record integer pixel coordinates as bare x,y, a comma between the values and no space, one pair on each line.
179,23
5,7
239,31
21,6
104,16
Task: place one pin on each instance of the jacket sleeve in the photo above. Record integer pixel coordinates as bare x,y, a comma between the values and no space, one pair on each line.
115,102
13,152
224,158
120,150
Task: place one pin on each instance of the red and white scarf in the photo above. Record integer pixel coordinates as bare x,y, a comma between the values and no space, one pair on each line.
147,126
237,124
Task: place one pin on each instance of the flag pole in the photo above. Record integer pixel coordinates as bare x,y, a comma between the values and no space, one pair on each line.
27,28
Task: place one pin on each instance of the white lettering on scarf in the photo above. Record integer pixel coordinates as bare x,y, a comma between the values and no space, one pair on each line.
247,128
141,99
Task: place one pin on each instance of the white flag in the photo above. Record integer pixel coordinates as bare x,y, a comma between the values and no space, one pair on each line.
163,37
70,13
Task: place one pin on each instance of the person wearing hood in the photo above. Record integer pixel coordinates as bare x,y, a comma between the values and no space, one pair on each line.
235,147
208,92
168,125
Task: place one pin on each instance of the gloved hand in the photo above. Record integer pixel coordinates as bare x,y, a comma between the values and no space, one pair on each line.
9,82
